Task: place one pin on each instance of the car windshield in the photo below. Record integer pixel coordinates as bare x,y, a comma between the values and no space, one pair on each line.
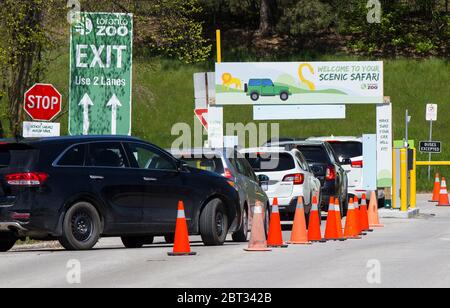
314,154
213,165
347,149
264,162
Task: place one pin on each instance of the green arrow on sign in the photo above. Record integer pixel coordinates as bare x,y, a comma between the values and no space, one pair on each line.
101,52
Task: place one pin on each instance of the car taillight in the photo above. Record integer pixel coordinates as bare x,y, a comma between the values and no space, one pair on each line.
331,173
357,164
26,179
228,174
297,178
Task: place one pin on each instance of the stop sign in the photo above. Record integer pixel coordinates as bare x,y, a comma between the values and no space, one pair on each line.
42,102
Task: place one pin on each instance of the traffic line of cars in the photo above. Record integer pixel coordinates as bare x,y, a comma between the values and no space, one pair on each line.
78,189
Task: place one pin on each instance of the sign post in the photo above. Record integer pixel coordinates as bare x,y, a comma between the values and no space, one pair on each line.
431,116
101,74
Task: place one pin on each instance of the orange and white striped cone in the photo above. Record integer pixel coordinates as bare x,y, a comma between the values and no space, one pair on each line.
351,224
258,240
374,218
299,234
443,195
314,231
364,214
275,237
436,188
181,245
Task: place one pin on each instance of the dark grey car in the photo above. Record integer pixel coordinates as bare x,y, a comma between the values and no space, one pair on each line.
231,164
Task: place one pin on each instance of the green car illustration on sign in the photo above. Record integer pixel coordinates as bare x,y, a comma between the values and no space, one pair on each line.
265,87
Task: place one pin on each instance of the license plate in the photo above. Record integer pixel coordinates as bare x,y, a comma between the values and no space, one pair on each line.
265,186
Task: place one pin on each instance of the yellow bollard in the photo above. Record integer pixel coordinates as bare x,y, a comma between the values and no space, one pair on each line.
404,180
394,180
219,47
413,183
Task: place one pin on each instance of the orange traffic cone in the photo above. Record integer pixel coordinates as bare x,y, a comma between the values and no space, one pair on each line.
364,215
443,196
275,237
374,219
331,230
181,246
436,189
351,224
299,235
358,223
337,209
258,240
314,232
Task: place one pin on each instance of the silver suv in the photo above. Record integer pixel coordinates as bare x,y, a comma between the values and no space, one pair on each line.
231,164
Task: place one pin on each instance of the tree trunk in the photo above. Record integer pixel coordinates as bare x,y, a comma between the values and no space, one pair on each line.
266,18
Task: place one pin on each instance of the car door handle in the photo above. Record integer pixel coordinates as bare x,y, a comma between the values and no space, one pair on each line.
147,179
96,177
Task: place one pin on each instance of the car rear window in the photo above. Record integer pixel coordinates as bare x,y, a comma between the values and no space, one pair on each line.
314,154
347,149
17,155
264,162
208,164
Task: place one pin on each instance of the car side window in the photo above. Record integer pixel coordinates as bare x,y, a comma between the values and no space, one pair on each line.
73,157
145,157
107,154
248,170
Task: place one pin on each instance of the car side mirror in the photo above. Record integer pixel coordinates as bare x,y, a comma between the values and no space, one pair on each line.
263,178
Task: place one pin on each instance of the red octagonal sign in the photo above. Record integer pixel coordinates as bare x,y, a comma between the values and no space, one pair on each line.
42,102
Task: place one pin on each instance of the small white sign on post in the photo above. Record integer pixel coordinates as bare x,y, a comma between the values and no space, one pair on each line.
41,129
432,111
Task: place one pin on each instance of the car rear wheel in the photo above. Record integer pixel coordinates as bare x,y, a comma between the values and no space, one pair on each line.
214,223
136,241
254,96
241,235
284,96
81,227
7,241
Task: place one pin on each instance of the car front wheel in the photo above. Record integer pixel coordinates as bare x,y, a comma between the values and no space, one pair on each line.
214,223
81,227
7,241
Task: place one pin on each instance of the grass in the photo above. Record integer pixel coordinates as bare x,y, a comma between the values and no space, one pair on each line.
163,94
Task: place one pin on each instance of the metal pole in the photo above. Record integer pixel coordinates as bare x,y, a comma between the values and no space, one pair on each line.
219,47
413,189
429,155
404,180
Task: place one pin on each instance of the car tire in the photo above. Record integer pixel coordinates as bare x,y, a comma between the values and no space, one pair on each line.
170,239
241,235
284,96
136,241
254,96
381,203
267,220
81,227
214,223
7,241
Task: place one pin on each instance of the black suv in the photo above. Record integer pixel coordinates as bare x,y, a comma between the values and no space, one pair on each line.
326,167
76,189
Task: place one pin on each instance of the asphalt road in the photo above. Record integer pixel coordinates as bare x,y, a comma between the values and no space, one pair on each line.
406,253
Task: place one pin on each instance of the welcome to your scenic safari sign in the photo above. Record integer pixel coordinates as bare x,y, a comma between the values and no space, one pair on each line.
101,74
299,83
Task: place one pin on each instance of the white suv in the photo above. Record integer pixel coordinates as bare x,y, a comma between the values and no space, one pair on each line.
289,177
349,151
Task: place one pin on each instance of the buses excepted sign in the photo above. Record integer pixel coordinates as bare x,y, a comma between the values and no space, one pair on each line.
433,147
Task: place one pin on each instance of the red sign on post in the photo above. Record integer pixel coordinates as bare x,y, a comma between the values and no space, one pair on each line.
42,102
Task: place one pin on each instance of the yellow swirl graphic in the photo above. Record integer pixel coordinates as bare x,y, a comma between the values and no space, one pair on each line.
310,84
